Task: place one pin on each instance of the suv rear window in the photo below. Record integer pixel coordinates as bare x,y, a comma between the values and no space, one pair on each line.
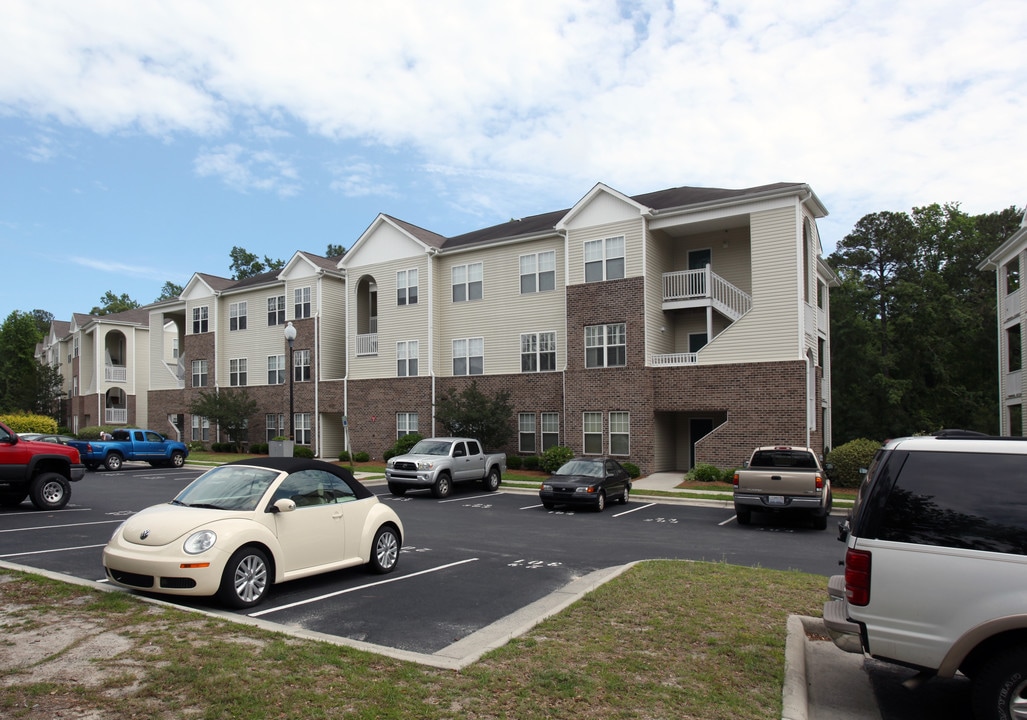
783,458
974,501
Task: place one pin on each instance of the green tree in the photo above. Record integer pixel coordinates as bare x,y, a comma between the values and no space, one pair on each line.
19,370
170,291
335,251
245,264
471,413
111,303
229,408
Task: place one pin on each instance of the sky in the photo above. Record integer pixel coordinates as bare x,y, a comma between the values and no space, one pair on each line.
140,141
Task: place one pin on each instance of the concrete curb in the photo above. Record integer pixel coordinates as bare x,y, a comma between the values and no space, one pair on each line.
794,694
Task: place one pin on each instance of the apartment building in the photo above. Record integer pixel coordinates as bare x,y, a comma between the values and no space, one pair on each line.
1011,303
671,328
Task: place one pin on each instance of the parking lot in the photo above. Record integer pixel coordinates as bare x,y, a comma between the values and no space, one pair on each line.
470,562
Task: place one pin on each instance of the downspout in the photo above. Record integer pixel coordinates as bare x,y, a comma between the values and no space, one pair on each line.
566,360
317,374
431,253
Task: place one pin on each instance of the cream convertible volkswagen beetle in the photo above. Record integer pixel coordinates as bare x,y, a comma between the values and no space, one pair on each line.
240,527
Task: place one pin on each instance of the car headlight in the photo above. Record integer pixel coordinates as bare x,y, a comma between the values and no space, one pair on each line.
547,488
389,463
200,542
424,464
586,489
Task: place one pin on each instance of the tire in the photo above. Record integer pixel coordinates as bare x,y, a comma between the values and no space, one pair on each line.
113,462
743,515
12,498
625,496
443,486
601,501
999,691
92,465
246,579
492,480
820,521
397,490
177,459
548,505
49,491
385,550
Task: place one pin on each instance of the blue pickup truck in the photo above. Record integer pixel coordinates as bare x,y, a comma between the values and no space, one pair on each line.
131,444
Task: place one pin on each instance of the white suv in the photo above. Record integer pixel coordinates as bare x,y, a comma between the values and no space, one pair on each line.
936,565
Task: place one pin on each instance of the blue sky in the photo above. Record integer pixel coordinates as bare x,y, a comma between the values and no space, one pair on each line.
140,141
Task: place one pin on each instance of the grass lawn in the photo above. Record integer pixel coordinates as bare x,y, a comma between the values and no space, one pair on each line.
667,639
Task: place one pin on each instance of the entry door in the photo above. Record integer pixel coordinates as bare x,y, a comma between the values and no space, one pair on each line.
699,259
698,428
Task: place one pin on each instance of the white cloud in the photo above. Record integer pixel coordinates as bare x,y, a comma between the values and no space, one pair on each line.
888,103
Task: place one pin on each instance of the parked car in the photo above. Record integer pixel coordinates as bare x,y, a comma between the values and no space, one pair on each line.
131,444
42,472
586,481
783,479
936,565
438,463
40,437
241,527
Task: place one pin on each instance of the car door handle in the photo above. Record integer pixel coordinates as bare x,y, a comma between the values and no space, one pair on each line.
775,477
337,516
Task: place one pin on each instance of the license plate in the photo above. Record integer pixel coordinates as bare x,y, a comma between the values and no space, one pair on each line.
776,500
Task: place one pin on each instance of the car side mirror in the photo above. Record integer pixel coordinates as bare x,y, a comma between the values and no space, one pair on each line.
283,506
843,530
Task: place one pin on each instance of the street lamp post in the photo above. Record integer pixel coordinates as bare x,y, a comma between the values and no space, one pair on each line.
290,335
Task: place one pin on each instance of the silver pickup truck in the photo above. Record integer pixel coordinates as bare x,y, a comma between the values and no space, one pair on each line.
781,478
437,463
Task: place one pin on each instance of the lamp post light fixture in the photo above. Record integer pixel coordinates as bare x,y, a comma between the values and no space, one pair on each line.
290,336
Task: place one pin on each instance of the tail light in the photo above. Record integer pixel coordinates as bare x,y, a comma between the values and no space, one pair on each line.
736,480
857,577
820,483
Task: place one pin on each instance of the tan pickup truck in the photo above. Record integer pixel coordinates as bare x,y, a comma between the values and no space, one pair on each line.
781,478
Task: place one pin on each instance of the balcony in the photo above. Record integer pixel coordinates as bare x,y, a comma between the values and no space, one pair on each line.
115,373
115,416
701,288
367,344
673,359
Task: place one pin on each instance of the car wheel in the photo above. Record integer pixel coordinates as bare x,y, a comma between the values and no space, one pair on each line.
177,459
492,480
624,496
443,486
743,516
246,578
999,692
820,521
385,550
397,489
92,465
548,505
12,498
601,501
49,491
113,462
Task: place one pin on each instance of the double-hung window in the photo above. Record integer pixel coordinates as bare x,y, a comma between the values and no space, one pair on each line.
620,430
604,259
301,428
538,272
538,352
237,372
605,345
301,303
592,430
201,428
406,358
467,282
199,320
301,365
199,373
237,316
276,310
406,287
550,430
526,432
406,423
276,369
469,356
274,426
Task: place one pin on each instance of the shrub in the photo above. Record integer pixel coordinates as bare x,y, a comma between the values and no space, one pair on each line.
194,446
402,446
531,462
361,457
302,451
554,457
849,458
23,423
344,456
729,475
258,448
704,472
632,469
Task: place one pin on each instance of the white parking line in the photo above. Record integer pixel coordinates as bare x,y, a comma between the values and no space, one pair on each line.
54,527
61,511
640,507
472,497
730,519
361,587
531,507
43,552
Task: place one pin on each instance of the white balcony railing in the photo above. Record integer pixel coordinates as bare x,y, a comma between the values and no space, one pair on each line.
116,416
673,359
115,373
367,344
705,284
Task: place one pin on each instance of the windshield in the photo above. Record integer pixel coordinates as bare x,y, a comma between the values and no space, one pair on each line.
589,468
229,487
431,447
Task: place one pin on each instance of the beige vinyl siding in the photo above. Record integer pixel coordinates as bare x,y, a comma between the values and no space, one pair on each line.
769,331
395,322
503,313
162,365
138,377
254,343
633,232
332,342
659,259
291,286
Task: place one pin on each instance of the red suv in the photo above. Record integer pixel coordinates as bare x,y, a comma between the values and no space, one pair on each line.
41,471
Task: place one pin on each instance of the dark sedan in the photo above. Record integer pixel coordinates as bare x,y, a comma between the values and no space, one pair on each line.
587,481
